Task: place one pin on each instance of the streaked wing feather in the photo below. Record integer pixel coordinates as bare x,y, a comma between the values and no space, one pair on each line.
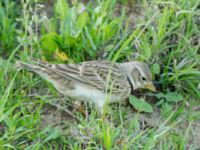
96,72
70,71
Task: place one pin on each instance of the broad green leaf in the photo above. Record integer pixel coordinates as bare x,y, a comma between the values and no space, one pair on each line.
62,8
170,96
98,22
140,104
156,68
48,42
83,19
90,39
110,29
145,49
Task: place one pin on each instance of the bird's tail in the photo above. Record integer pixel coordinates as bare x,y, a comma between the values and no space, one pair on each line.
38,67
24,65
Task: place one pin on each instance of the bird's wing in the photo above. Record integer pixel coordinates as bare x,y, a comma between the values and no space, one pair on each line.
103,75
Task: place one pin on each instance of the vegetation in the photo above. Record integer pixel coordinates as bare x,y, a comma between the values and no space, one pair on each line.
163,33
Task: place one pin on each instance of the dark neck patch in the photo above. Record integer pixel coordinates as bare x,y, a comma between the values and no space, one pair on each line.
129,81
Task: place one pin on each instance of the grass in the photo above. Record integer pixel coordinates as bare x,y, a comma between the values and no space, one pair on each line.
164,34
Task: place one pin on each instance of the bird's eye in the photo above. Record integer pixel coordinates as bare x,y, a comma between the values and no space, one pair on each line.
144,79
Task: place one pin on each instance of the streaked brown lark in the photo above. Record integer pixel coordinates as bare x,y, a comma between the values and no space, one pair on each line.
92,81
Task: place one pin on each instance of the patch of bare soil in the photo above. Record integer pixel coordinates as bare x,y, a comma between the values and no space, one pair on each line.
53,117
134,12
194,135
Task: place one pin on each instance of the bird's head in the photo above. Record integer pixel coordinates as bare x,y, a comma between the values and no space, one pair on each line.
139,76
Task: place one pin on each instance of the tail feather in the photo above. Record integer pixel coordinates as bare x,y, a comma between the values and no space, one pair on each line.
23,65
38,69
40,63
51,72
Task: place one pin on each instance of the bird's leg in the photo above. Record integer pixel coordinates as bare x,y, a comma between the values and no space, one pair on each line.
102,108
80,107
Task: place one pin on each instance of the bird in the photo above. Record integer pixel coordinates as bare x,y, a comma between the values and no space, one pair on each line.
97,81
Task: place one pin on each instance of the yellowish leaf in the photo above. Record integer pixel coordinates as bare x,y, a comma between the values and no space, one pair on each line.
61,55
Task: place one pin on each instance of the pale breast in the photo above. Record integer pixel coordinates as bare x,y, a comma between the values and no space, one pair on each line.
88,93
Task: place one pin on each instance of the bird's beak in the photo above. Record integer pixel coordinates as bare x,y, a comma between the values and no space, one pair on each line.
150,86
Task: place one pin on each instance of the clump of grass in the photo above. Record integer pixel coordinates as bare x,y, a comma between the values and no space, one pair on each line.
8,12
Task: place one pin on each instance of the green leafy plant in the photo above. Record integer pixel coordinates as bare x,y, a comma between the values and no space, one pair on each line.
81,31
140,104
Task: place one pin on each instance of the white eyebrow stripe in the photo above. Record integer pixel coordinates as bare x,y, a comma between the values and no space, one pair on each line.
144,70
140,71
